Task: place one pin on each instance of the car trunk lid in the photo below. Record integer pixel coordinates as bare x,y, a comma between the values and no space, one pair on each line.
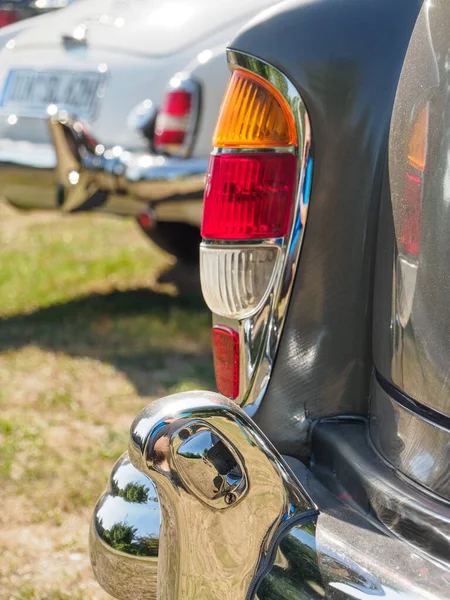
150,27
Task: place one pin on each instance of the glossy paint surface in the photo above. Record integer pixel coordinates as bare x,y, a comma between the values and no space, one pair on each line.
139,45
346,462
345,59
410,424
410,439
420,339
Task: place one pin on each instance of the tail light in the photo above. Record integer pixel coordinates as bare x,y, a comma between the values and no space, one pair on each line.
252,209
236,280
177,120
416,151
249,196
226,360
8,16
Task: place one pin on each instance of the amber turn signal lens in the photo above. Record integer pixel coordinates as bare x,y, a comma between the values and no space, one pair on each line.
253,115
417,143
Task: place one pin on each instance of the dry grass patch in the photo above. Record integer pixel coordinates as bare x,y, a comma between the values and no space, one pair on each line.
88,336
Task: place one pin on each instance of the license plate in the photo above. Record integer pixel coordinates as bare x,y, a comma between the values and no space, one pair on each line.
29,92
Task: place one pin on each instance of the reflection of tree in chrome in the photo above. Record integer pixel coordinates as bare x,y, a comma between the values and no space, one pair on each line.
297,577
132,492
122,537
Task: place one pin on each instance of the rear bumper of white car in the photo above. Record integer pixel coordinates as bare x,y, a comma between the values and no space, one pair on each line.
35,176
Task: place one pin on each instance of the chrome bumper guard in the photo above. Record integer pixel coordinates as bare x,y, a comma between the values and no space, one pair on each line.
90,177
224,496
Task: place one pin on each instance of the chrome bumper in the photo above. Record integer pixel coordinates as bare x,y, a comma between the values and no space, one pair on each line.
76,173
203,507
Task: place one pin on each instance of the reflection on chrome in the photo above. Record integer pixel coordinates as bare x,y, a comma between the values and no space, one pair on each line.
115,175
226,497
125,526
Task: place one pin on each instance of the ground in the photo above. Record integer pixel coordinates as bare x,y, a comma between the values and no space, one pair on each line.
88,336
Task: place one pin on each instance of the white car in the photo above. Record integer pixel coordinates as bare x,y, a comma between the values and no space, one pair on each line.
131,89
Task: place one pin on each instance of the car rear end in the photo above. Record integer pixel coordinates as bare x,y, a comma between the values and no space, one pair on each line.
347,369
335,349
102,64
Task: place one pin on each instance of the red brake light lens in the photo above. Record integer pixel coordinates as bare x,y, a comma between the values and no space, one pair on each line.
177,103
226,360
8,16
173,120
249,196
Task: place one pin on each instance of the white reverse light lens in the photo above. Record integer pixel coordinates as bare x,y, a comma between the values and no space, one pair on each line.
235,281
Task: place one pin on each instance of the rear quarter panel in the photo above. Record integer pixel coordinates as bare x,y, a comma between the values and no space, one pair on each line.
345,59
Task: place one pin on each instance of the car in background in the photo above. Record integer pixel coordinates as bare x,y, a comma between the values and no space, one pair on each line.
322,469
125,144
12,11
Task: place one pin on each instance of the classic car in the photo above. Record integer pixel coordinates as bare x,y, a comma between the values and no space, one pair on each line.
12,11
131,89
321,468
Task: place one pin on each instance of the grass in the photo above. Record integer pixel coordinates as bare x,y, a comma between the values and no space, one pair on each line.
88,336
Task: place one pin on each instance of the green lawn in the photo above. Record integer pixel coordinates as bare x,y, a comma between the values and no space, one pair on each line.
89,334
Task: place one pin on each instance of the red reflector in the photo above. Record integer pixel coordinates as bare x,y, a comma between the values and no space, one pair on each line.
8,16
226,360
146,221
249,196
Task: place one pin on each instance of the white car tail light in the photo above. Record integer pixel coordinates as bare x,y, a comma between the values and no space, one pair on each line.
8,16
255,206
177,119
236,280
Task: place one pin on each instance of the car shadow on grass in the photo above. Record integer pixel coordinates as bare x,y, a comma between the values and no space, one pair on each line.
159,341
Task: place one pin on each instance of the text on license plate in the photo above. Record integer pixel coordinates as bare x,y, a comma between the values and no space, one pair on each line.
34,91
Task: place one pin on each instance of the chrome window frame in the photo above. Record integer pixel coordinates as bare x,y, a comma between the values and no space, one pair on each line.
260,333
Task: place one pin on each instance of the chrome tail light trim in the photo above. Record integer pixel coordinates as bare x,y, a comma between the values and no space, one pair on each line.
260,333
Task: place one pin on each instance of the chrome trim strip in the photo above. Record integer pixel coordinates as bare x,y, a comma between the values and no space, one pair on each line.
260,334
416,447
268,150
243,244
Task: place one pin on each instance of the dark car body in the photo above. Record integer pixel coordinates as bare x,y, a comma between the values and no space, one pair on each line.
358,391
